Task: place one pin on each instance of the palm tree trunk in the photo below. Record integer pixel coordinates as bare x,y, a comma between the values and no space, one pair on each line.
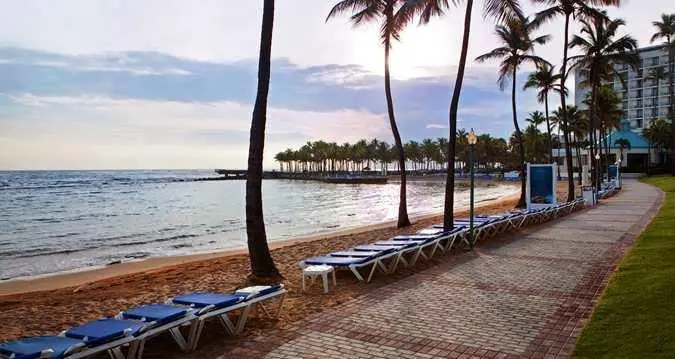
581,167
559,174
606,133
671,107
448,211
262,264
591,130
403,220
563,103
548,130
519,136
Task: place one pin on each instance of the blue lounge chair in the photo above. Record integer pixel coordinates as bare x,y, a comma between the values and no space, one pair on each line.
162,318
356,258
52,347
207,305
106,334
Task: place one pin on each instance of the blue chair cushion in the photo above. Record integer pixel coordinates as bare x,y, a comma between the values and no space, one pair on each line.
201,300
370,247
160,313
356,254
31,348
105,330
404,243
257,291
335,261
418,237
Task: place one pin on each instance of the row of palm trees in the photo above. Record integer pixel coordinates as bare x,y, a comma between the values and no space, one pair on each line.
516,34
426,155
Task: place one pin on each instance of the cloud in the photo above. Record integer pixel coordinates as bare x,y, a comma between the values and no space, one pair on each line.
159,104
102,132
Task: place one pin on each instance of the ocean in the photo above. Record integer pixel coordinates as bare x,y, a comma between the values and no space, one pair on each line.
52,221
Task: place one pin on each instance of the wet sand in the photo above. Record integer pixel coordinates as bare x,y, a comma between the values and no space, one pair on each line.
57,302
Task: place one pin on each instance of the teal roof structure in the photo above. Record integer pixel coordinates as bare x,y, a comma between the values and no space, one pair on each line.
636,141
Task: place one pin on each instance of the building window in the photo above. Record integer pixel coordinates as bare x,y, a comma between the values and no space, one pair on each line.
639,93
655,61
639,123
654,101
655,111
655,91
638,103
639,113
639,74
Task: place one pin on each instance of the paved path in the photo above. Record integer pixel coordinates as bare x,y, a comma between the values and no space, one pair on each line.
525,296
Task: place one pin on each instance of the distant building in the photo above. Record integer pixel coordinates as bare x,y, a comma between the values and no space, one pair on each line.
642,102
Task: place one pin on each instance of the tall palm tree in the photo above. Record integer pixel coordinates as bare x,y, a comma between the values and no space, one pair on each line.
665,29
262,264
368,11
517,49
600,52
568,9
546,80
426,10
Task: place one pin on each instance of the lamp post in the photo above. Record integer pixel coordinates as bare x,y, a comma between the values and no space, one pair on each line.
597,171
472,142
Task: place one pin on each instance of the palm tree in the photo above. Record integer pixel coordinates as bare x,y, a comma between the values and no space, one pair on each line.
658,134
568,9
600,53
545,80
623,144
367,11
517,49
666,31
426,10
262,264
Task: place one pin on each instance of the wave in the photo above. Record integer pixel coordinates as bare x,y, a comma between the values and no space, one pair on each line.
158,240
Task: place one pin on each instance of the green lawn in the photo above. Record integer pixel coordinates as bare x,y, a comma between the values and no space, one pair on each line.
635,317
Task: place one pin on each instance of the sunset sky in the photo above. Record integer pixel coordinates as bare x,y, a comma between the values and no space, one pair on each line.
170,84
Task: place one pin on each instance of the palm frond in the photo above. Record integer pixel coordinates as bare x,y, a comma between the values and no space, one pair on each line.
345,6
494,54
503,10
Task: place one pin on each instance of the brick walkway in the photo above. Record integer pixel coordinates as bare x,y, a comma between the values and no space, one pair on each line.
523,296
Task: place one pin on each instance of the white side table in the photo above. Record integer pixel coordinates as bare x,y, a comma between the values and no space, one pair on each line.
318,270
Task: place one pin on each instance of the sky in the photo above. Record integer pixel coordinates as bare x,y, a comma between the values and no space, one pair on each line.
170,83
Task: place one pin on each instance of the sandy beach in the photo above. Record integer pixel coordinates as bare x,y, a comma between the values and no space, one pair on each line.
73,298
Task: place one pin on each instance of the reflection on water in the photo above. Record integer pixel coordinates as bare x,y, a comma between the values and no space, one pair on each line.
54,221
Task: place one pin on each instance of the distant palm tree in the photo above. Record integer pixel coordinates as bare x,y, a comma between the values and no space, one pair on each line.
365,12
666,31
426,10
517,49
623,144
546,81
599,53
581,9
262,264
536,118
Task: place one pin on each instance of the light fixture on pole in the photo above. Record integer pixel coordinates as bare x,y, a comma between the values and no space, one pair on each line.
597,170
472,139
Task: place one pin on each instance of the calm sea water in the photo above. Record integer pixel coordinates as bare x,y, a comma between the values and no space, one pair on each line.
52,221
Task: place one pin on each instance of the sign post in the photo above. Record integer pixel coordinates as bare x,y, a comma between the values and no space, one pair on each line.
541,186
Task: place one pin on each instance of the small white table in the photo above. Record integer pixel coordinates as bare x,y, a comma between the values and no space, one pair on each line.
318,270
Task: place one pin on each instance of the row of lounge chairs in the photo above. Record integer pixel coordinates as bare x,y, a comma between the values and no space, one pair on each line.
608,189
129,330
407,250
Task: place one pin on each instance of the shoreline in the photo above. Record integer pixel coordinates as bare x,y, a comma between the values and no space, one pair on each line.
87,275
